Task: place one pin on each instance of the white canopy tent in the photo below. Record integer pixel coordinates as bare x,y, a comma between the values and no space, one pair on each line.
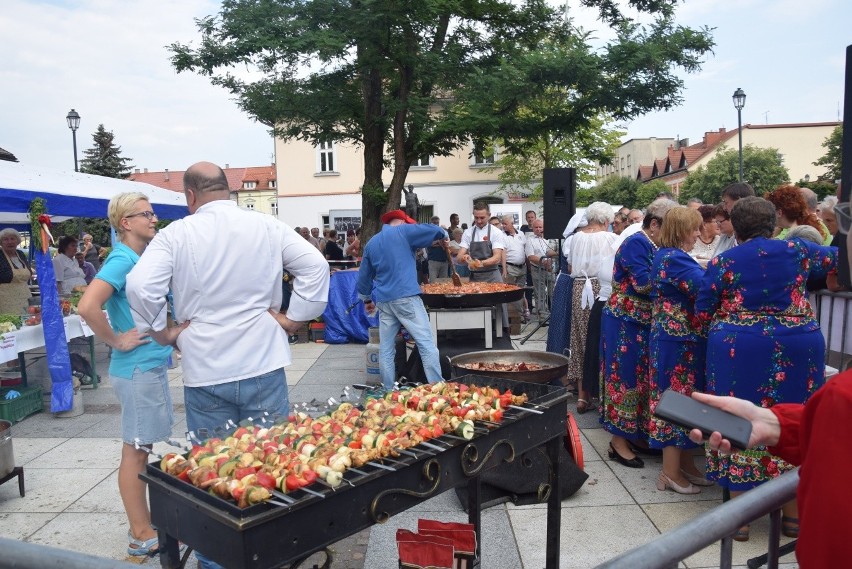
71,194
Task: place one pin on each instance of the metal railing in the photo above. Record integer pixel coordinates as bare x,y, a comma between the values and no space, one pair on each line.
833,310
719,524
22,555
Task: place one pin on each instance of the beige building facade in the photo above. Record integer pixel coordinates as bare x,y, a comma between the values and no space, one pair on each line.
631,154
319,183
800,145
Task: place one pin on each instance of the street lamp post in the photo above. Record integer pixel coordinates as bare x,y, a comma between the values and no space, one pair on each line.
73,119
739,102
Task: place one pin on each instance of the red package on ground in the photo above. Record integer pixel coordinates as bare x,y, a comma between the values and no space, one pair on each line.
421,551
463,535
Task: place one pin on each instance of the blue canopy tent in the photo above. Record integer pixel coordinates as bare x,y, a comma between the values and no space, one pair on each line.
66,195
71,194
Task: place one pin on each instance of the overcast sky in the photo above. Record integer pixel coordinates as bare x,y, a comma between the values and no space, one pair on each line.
107,59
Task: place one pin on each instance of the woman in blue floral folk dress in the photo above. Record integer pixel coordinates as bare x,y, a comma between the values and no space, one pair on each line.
763,344
625,325
678,345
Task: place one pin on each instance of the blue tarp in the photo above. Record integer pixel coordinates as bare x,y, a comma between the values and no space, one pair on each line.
55,343
344,317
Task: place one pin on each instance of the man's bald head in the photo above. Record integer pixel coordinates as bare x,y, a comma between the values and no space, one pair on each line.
205,177
204,182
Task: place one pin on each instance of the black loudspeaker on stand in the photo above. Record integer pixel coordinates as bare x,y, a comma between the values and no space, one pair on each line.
560,189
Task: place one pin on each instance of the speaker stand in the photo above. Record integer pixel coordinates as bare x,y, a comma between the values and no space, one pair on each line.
544,322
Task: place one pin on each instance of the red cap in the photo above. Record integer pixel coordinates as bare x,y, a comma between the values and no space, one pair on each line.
396,214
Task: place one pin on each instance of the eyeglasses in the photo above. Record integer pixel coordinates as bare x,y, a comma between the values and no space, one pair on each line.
149,215
844,217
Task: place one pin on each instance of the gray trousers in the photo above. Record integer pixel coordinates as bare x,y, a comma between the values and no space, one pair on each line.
438,270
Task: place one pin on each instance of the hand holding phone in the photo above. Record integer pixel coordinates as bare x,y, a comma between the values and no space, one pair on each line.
691,414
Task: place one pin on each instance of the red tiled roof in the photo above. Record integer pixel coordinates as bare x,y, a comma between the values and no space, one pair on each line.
173,180
645,172
709,143
261,175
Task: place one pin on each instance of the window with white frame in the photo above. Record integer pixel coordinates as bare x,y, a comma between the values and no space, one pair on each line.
249,205
249,185
325,157
483,156
273,207
271,183
423,161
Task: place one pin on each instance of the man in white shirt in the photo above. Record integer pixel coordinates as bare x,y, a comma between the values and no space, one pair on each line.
516,261
233,340
482,247
540,255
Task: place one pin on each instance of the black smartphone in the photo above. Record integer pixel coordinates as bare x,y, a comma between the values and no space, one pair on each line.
691,414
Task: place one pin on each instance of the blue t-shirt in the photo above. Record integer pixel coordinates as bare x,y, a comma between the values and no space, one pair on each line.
114,272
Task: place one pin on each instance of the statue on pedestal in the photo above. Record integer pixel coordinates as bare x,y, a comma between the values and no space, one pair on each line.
412,204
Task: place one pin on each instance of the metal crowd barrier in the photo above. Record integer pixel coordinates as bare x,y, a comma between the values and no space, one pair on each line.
834,312
719,524
22,555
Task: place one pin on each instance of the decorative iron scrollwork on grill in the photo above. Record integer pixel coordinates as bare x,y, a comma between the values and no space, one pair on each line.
431,472
470,457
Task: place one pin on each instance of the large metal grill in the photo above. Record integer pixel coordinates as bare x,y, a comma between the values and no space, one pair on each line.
267,535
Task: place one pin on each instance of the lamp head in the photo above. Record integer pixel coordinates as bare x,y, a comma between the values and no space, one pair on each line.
739,98
73,119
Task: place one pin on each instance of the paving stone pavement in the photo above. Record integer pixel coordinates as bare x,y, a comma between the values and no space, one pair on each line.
616,509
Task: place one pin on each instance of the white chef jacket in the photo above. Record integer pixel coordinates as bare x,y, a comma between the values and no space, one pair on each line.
224,268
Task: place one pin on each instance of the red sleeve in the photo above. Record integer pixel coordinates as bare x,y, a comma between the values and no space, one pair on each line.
825,429
790,416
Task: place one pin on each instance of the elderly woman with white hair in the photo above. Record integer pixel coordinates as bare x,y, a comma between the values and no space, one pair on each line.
15,274
590,245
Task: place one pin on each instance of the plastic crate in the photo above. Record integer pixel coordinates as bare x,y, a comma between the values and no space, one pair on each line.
16,409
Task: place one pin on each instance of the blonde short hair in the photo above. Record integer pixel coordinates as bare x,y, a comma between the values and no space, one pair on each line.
120,206
679,222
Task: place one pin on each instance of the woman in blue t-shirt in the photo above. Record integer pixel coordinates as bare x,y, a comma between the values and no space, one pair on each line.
138,367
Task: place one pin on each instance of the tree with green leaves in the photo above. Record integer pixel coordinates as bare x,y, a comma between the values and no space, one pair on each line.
622,190
521,171
102,159
408,79
833,155
763,168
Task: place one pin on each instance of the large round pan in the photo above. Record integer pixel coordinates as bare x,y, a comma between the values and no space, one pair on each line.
556,365
471,300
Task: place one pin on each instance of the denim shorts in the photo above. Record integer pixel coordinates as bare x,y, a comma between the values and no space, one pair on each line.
147,414
209,408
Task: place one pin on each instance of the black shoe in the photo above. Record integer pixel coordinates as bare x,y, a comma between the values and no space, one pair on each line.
294,338
647,451
634,462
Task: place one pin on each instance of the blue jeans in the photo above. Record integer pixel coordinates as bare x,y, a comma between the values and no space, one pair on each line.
210,407
410,313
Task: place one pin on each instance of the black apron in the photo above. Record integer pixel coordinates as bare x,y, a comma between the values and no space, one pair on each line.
481,250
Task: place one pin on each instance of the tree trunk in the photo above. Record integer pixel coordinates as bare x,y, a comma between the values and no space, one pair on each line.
373,199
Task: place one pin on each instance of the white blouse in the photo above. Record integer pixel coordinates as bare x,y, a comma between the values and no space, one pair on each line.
588,251
68,273
704,251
